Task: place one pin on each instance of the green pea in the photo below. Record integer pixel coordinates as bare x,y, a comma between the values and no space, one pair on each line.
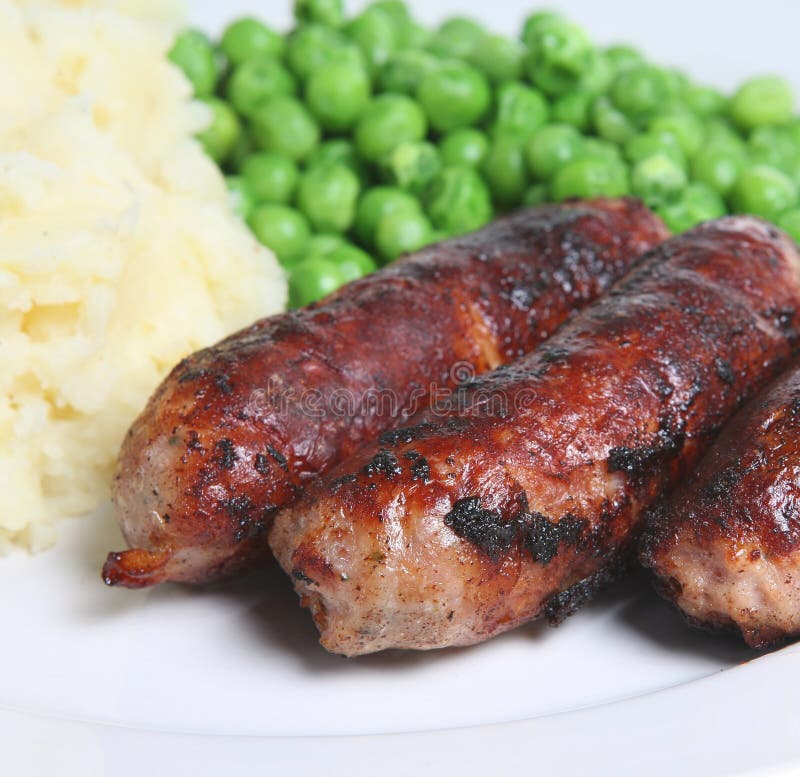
241,198
774,146
219,138
603,150
640,92
498,58
720,131
241,150
388,121
405,69
457,38
322,245
337,151
257,80
414,36
598,76
610,123
193,54
764,191
696,204
590,177
719,166
649,143
762,100
520,110
284,125
536,194
327,12
313,279
247,38
396,10
313,46
375,204
352,262
436,236
271,177
573,108
560,55
458,201
705,100
623,58
677,81
327,196
281,229
338,94
687,129
454,95
400,233
533,25
658,179
790,222
375,34
464,147
505,170
413,165
551,147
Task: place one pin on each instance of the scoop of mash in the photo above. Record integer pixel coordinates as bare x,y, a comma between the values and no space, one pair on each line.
119,252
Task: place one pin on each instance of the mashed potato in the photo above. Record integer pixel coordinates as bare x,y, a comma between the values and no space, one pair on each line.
119,253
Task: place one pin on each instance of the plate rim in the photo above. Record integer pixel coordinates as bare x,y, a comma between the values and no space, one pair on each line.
744,701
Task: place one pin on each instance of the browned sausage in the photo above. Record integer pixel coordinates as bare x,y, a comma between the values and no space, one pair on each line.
726,546
521,495
236,431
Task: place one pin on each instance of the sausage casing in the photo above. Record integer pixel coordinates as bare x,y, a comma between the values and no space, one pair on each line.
726,546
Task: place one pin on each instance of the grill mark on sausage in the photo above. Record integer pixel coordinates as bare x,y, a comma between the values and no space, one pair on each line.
495,535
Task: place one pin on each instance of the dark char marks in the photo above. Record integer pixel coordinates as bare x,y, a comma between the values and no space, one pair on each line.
383,462
223,383
337,484
407,435
488,530
724,371
279,457
637,461
565,603
420,468
261,464
542,536
484,528
226,454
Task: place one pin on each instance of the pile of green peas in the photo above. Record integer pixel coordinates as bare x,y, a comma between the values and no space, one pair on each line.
350,141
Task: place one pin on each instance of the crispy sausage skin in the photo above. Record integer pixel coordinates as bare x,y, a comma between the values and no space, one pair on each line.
524,492
726,546
236,431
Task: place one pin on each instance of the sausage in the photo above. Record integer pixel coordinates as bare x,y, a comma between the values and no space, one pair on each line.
236,431
524,492
726,546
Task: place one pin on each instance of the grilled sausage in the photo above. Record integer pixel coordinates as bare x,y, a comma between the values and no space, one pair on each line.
236,431
726,546
523,493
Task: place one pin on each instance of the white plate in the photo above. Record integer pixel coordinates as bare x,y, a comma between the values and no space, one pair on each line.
231,680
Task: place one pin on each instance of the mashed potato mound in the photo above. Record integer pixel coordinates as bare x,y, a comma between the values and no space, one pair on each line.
119,252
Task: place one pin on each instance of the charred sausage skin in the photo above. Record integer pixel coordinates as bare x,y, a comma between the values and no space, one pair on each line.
726,547
236,431
525,492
